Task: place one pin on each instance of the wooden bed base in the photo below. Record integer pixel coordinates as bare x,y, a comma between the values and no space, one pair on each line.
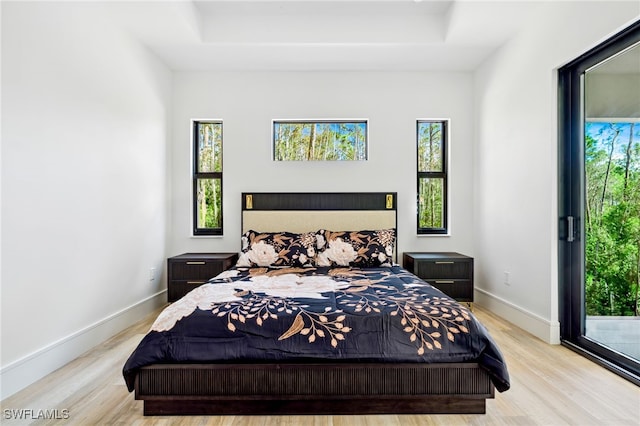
324,388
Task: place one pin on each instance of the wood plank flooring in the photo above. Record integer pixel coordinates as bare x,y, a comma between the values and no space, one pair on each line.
550,385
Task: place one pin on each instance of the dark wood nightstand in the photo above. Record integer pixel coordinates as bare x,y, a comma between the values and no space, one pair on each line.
190,270
452,273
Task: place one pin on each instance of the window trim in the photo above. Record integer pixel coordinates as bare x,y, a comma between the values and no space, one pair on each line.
195,176
444,175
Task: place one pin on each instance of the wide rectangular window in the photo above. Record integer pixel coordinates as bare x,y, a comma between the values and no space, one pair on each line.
298,140
432,177
207,178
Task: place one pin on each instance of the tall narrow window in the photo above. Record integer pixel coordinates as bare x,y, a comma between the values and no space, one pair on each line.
207,178
432,177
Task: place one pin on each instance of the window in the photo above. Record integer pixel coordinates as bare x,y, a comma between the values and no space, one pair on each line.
432,177
296,140
207,178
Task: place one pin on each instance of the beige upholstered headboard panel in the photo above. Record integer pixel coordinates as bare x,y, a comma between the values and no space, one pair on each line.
311,221
311,211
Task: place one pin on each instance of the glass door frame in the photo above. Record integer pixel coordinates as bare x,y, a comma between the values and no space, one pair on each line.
571,194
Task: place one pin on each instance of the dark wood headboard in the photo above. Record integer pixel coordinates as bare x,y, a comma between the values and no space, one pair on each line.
319,201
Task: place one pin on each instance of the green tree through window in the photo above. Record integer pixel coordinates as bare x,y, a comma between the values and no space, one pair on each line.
432,177
612,219
319,140
207,177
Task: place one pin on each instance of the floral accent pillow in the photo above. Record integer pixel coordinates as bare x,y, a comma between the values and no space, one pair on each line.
274,249
355,248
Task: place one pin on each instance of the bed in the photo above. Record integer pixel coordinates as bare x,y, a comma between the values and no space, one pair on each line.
316,318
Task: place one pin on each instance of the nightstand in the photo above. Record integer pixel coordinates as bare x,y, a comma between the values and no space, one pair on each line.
452,273
190,270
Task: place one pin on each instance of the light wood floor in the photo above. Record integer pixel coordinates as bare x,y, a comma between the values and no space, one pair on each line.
550,385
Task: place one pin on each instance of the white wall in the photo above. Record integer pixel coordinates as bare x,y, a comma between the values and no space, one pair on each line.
84,184
248,101
516,159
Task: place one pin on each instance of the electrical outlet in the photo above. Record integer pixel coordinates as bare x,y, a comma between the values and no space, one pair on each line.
507,278
152,274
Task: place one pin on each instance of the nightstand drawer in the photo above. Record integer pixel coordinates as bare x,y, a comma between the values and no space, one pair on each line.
177,289
461,290
444,269
195,269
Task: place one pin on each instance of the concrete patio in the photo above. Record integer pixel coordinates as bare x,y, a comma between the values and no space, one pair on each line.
619,333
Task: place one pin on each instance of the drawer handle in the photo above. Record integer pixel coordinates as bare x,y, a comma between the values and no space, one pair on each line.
196,282
444,262
196,263
445,282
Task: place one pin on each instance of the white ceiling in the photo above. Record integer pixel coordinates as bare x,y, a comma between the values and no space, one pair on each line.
451,35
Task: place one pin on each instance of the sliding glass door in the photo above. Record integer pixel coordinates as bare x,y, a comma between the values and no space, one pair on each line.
599,204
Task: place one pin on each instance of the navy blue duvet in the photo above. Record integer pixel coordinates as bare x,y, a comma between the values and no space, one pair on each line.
317,314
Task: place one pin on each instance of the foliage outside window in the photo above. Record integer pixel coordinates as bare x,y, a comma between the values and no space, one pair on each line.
432,177
319,140
207,178
612,219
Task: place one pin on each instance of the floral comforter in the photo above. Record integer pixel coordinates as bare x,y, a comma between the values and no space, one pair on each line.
312,314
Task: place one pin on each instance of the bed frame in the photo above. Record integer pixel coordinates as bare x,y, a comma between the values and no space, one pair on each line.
314,388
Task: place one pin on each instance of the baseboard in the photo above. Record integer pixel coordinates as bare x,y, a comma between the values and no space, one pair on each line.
27,370
544,329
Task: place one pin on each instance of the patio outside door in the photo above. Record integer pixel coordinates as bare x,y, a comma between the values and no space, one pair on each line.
600,204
